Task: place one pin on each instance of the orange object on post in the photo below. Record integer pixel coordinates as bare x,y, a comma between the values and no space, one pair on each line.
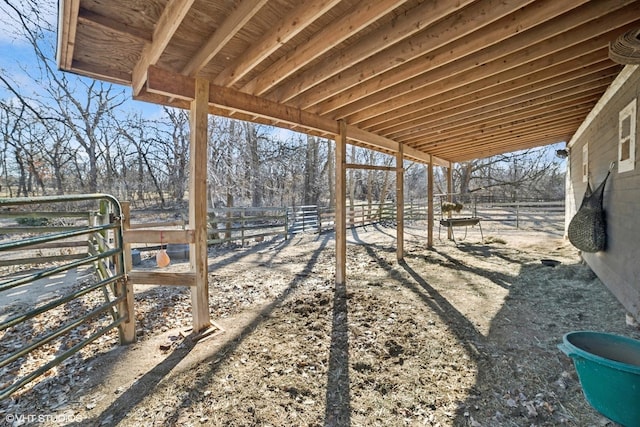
162,258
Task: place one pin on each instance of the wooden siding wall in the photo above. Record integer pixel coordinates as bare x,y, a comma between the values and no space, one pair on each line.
618,267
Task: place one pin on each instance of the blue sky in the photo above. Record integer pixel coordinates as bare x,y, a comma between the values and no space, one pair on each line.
16,55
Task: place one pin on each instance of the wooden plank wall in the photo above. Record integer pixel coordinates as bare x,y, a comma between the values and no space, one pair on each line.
617,266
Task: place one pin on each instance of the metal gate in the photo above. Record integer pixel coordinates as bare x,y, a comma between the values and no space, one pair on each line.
304,219
35,239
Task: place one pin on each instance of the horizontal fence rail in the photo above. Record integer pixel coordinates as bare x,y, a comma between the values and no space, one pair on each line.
243,223
88,229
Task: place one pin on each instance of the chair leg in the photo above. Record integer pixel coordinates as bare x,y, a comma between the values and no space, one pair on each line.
453,236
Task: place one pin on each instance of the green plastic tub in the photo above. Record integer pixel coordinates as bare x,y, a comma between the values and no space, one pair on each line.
608,367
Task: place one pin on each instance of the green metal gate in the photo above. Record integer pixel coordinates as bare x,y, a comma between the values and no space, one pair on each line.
43,225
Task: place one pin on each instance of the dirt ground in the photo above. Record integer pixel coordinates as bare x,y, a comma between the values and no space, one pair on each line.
452,336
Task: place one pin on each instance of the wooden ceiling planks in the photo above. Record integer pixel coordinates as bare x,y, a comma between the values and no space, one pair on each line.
463,87
291,24
387,36
229,28
320,43
456,80
510,100
445,41
521,48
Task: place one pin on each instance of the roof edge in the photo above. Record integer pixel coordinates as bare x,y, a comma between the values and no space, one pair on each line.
613,88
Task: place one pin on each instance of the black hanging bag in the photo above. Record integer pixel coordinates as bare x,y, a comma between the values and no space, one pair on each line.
587,229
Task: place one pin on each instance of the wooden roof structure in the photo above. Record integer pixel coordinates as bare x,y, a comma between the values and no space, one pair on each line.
435,79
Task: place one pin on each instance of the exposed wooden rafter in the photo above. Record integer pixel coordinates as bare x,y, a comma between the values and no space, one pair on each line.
236,20
478,115
169,21
296,21
455,79
322,42
88,17
462,89
404,86
402,27
467,32
170,84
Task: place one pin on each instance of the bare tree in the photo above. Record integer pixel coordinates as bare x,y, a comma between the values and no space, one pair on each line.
533,173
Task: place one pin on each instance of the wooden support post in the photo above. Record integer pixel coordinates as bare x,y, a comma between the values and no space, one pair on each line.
128,327
449,197
242,215
430,202
400,203
341,205
198,257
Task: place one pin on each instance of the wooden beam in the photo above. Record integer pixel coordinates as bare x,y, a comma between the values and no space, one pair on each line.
140,277
479,124
499,103
158,236
170,84
482,84
488,94
400,28
545,122
67,25
517,138
198,255
358,134
293,23
99,72
221,36
400,204
415,155
163,85
400,87
506,146
472,21
330,36
558,108
448,79
430,205
508,143
449,199
341,204
88,17
370,167
127,329
168,23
